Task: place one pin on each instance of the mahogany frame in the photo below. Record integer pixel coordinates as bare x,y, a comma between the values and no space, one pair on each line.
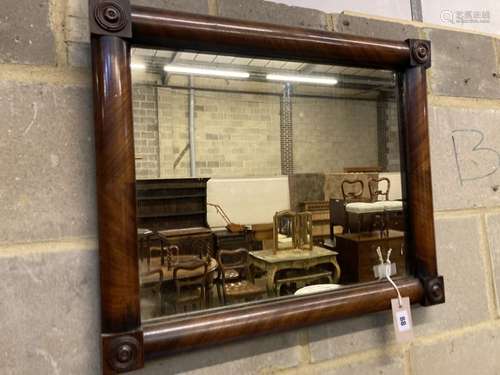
115,26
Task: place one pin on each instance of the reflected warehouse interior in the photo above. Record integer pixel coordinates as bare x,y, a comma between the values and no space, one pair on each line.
261,178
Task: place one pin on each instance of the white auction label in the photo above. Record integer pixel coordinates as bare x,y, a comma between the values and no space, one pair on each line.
403,325
402,317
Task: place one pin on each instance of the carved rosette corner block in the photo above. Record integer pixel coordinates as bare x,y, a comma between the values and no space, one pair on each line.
110,17
123,351
433,290
420,52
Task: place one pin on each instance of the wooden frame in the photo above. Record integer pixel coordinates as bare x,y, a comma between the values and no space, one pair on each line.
116,26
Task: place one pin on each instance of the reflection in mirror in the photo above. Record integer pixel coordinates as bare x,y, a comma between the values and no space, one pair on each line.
284,231
261,178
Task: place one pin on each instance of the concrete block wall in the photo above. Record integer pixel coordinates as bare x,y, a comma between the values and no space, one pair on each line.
173,107
237,135
146,140
332,134
48,251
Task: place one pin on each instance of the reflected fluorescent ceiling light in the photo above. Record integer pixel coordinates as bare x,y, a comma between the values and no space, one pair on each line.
205,72
302,79
138,66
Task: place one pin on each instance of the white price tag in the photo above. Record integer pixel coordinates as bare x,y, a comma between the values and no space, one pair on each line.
403,325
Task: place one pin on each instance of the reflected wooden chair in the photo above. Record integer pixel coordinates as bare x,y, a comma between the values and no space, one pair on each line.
144,244
172,255
386,220
236,280
190,292
352,191
156,287
375,191
355,191
155,249
393,219
204,250
230,276
195,248
201,248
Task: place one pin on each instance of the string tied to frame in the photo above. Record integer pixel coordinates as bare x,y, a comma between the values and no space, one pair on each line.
388,272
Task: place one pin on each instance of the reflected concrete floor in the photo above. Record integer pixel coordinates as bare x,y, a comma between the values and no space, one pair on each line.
150,297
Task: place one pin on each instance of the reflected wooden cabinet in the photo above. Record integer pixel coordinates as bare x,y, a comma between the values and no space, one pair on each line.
172,203
176,211
357,254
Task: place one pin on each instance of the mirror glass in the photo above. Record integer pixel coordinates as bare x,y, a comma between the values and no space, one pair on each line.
260,179
284,232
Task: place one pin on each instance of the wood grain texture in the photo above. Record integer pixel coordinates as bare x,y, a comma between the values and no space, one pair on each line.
184,31
204,329
418,171
120,305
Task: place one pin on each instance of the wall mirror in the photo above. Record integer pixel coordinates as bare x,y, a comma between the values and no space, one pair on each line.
253,173
265,144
